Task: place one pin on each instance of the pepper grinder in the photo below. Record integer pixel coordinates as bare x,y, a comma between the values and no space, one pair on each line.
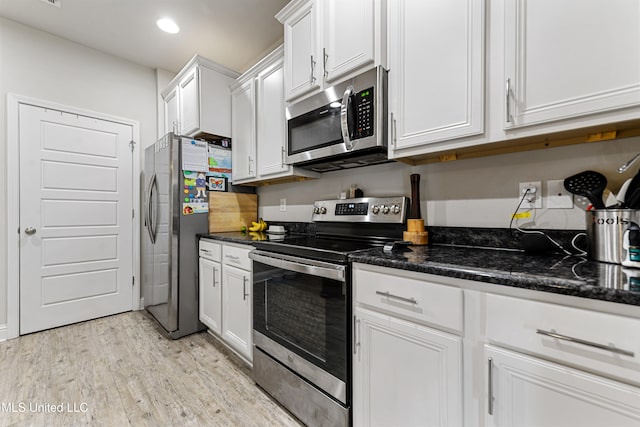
416,234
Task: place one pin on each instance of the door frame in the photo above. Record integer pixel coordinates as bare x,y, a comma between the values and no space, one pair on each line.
13,199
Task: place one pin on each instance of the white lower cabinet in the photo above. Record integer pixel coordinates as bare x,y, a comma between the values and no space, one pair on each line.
210,294
236,309
405,374
225,294
527,391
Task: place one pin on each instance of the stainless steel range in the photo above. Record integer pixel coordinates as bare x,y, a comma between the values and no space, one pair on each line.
302,306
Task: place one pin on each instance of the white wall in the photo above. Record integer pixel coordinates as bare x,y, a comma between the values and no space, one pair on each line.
478,192
43,66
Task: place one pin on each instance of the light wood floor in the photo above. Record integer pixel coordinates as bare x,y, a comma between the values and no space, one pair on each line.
120,370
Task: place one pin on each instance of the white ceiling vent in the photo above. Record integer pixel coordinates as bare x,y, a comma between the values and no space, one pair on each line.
55,3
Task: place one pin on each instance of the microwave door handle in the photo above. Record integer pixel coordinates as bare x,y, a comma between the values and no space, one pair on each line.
344,117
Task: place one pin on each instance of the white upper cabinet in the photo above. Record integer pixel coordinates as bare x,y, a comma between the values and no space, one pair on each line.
259,125
326,40
198,100
570,58
349,37
271,121
243,152
436,78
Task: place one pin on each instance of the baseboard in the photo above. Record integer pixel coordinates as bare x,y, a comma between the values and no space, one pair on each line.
141,306
228,347
4,332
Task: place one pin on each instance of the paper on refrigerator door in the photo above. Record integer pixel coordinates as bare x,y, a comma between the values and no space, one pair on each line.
195,156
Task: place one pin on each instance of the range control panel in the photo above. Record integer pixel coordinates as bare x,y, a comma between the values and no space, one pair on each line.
365,209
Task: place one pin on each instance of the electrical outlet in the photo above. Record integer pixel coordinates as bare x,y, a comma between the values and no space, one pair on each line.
557,196
283,205
533,198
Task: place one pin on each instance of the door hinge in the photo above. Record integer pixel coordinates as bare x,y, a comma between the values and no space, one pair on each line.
133,213
132,144
133,280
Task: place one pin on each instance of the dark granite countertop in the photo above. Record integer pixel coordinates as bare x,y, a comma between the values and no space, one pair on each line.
555,273
566,275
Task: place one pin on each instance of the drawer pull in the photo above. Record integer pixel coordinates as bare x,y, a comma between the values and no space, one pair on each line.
583,342
391,296
233,258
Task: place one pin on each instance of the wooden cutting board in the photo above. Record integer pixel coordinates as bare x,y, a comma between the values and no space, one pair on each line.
231,211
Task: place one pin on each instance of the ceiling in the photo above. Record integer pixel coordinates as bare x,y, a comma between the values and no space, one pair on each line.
234,33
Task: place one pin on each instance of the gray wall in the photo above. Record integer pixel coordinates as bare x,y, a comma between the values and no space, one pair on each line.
480,192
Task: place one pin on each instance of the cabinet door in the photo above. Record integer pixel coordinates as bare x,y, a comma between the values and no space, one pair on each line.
526,391
271,121
303,65
236,310
570,58
210,294
189,103
243,154
436,50
405,374
349,36
171,112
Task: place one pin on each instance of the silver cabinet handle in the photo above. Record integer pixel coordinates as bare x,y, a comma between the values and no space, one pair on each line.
324,63
312,79
393,131
356,340
282,156
396,297
205,250
244,288
30,230
490,387
583,342
508,105
249,164
232,258
214,277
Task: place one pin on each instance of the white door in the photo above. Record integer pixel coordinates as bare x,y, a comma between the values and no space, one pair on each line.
530,392
570,58
405,374
436,78
236,310
210,295
243,155
271,121
349,36
75,218
303,66
189,105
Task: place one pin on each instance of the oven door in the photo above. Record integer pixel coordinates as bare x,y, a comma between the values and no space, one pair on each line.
300,317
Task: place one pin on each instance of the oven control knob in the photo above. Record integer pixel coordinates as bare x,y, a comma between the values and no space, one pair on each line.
395,209
323,210
375,209
385,209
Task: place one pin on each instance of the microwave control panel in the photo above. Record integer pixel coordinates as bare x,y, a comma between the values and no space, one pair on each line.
364,114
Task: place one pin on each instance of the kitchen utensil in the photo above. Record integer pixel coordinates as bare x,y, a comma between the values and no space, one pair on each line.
414,213
632,198
627,165
623,192
609,198
589,184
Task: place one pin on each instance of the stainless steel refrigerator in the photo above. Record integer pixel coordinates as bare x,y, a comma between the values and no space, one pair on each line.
169,242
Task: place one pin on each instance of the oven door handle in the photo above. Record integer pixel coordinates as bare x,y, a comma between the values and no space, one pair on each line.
300,265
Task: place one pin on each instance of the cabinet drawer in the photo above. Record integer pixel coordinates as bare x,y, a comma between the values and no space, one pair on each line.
418,300
236,256
209,250
600,342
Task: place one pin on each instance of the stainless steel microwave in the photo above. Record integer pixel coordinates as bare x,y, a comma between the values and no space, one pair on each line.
344,126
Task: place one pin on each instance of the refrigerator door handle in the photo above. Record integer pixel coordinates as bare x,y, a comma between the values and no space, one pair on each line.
148,214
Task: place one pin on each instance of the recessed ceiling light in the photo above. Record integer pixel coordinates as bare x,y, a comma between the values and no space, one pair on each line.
168,25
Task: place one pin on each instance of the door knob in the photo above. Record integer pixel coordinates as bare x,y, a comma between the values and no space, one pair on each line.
30,231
